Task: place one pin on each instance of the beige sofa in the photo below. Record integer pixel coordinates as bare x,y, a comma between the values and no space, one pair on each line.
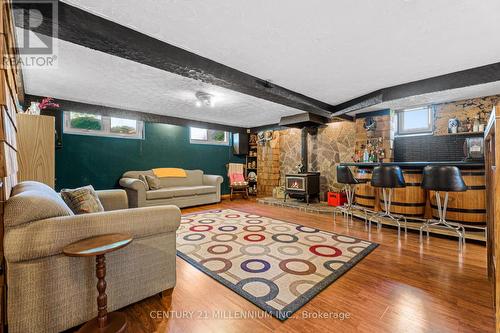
195,189
49,292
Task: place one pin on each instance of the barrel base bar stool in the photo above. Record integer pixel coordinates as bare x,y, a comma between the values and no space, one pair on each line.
387,178
345,176
348,208
443,179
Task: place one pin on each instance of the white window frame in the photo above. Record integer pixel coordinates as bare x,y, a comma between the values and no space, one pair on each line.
106,128
226,141
429,129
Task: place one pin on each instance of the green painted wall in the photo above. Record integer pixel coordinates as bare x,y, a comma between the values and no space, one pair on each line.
101,161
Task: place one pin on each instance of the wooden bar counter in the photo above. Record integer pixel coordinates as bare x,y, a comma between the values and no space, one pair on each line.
468,208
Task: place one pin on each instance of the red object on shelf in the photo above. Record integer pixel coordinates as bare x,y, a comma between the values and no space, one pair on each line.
336,198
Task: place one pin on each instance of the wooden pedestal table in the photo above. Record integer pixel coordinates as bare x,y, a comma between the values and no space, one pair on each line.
98,246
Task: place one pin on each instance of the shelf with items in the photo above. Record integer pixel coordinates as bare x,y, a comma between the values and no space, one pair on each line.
471,119
372,150
251,164
462,133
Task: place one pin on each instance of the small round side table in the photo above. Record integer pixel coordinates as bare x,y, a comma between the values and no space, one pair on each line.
114,322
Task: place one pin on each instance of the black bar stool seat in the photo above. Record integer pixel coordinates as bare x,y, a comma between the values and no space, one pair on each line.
345,176
387,178
443,179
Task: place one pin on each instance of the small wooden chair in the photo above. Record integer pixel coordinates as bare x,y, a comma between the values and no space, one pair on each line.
237,186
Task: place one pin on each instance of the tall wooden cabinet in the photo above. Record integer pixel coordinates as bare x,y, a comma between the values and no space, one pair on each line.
36,153
492,157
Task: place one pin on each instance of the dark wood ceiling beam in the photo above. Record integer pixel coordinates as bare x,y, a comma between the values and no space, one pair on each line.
67,105
83,28
466,78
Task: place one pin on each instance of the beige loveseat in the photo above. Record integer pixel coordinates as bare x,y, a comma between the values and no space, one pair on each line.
195,189
49,292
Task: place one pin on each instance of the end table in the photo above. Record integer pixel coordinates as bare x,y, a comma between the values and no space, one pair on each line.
98,246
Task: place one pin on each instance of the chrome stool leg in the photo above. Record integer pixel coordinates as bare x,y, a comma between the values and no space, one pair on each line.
387,206
456,227
347,189
372,219
348,208
424,225
387,196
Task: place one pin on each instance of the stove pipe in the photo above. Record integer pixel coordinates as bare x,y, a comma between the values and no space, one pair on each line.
303,149
308,123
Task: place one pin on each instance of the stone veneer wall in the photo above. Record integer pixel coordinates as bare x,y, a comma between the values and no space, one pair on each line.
268,166
332,144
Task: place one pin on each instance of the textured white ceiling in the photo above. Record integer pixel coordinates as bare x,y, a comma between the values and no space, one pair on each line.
480,90
330,50
90,76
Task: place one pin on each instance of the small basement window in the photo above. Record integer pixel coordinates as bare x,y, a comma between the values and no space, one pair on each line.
96,125
415,121
208,136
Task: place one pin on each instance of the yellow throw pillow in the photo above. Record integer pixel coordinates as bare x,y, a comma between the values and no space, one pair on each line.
170,172
82,200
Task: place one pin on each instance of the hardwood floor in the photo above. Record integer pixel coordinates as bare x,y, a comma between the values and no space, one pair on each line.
400,287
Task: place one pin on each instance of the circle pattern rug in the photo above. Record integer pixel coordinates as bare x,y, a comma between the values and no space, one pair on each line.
277,265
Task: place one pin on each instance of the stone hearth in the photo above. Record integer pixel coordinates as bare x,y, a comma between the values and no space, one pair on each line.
314,207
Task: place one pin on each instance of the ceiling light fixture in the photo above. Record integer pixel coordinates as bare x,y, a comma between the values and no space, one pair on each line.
204,98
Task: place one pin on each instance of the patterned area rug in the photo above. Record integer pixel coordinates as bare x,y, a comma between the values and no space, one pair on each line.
278,266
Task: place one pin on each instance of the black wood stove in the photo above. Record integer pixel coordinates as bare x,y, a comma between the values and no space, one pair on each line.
302,186
305,184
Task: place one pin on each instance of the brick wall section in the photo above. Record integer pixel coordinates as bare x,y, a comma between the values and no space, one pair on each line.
462,110
268,166
384,130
